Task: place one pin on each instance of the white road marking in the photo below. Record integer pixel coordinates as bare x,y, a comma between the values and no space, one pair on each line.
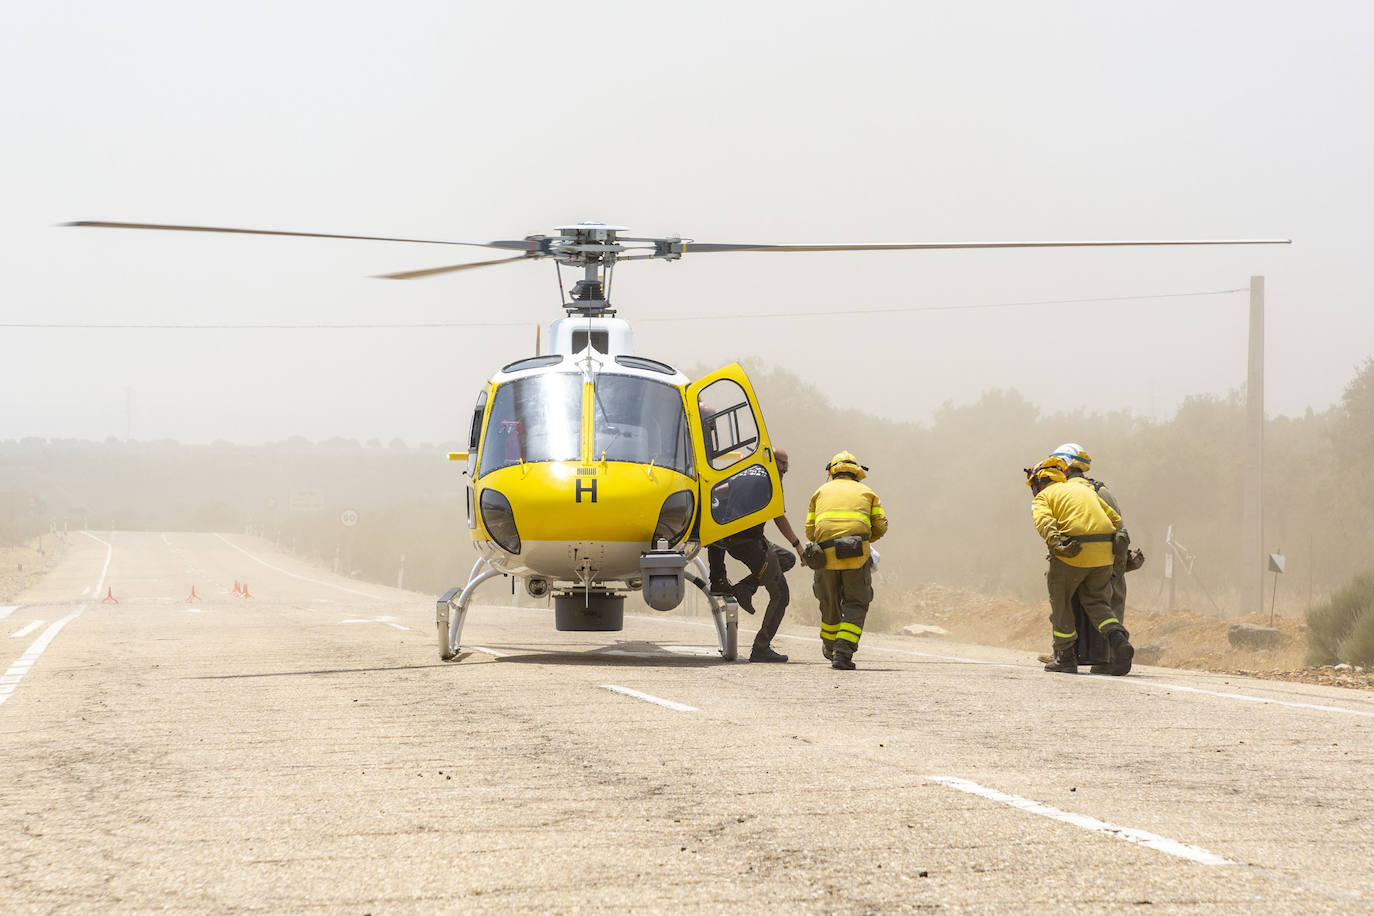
193,610
385,620
26,630
649,698
85,592
1123,681
484,649
1247,698
11,678
1129,834
8,609
297,575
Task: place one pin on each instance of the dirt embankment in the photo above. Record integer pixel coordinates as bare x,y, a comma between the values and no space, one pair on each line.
35,556
1175,639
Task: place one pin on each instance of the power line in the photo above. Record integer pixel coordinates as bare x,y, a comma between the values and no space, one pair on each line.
955,308
695,317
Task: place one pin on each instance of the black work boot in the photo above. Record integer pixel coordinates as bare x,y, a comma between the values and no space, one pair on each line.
720,588
828,650
766,654
1065,662
1100,669
843,659
1122,652
744,597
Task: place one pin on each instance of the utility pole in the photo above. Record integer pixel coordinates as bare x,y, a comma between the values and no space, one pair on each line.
1252,568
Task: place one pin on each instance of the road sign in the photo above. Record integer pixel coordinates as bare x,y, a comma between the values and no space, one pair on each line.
348,518
306,500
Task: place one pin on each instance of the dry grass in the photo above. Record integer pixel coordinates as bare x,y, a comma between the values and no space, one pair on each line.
36,563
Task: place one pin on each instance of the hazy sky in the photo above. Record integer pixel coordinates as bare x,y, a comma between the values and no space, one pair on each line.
738,122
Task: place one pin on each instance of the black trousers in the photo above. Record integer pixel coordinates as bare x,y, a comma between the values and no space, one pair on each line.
766,564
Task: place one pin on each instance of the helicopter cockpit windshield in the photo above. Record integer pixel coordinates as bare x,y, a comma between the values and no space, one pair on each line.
637,419
538,418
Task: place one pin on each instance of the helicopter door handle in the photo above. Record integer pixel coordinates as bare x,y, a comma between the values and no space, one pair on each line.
768,454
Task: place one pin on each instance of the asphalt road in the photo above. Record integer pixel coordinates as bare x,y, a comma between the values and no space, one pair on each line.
305,750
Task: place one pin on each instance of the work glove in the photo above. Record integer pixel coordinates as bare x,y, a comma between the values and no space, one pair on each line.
1134,559
813,555
1065,546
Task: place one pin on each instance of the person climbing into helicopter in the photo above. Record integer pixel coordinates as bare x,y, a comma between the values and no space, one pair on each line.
767,563
842,521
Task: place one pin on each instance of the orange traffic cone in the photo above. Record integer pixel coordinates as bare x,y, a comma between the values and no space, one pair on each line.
238,589
109,597
245,591
193,596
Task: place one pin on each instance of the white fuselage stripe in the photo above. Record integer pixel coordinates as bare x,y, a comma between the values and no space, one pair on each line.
649,698
1129,834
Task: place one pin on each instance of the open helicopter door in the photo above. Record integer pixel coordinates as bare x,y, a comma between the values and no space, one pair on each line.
734,459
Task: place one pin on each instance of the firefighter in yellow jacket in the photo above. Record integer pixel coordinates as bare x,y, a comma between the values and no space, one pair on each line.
1078,527
843,519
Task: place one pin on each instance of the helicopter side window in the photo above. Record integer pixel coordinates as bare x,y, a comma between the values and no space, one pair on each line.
741,494
732,433
475,436
538,418
636,419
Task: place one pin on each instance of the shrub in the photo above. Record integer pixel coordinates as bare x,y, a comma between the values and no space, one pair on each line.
1342,629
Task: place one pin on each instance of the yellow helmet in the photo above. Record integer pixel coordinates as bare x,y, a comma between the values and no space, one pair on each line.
846,463
1073,456
1051,470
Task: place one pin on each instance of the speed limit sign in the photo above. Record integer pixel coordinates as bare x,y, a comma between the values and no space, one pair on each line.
348,518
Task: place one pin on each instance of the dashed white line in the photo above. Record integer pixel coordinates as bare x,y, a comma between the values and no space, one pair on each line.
1129,834
8,609
649,698
491,652
25,631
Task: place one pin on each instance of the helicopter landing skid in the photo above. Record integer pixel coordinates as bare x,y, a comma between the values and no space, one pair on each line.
724,611
452,609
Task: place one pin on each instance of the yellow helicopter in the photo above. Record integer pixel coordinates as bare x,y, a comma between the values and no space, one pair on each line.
592,471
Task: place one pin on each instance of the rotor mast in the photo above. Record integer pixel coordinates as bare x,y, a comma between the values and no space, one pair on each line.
595,247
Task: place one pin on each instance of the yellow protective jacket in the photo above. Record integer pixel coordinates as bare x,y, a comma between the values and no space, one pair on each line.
842,507
1075,510
1100,489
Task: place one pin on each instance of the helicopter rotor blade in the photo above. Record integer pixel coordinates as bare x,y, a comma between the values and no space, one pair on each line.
705,247
517,245
435,271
